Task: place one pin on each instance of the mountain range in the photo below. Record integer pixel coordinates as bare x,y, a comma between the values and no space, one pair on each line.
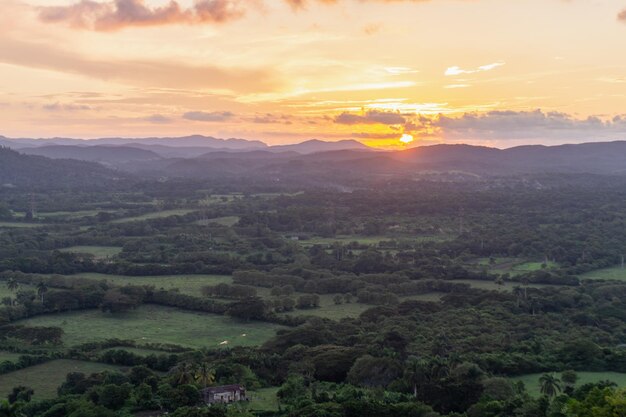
311,162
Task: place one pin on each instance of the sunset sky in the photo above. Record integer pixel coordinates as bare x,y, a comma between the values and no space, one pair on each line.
493,72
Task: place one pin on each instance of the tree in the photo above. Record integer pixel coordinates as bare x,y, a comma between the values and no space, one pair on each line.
183,373
42,288
10,410
12,284
415,373
550,385
569,378
21,393
204,374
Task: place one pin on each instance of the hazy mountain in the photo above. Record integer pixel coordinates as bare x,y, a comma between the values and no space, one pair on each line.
106,155
296,163
316,145
30,171
600,158
184,141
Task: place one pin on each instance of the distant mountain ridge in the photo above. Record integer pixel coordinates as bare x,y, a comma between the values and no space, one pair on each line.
106,155
323,163
125,150
38,172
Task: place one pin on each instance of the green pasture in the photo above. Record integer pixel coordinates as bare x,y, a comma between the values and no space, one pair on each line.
45,378
154,215
156,324
531,381
97,251
186,284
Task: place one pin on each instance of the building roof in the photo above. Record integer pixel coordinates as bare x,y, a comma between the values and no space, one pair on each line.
223,388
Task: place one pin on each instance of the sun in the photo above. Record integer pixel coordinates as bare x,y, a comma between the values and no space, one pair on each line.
406,138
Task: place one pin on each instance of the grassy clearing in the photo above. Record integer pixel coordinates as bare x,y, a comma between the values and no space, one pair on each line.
9,356
365,240
156,324
71,214
329,310
492,286
263,399
531,381
47,377
227,221
616,273
155,215
20,225
186,284
97,251
5,292
534,266
513,266
139,351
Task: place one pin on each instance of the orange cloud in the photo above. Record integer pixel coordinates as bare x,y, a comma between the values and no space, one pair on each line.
136,72
622,15
117,14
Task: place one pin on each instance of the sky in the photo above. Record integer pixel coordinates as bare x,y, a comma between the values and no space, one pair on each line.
487,72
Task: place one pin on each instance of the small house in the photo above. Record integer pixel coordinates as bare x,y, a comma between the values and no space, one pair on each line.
224,394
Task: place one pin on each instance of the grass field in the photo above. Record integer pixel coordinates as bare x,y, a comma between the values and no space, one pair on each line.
329,310
20,225
616,273
5,292
139,351
97,251
513,266
186,284
531,381
364,240
9,356
71,214
263,399
227,221
155,215
156,324
492,286
533,266
47,377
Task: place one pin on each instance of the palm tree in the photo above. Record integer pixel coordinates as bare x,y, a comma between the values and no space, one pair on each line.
183,373
42,288
204,374
415,373
550,385
519,295
12,284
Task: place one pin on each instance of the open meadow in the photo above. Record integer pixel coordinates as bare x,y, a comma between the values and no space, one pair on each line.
186,284
99,252
531,381
156,324
45,378
154,215
615,273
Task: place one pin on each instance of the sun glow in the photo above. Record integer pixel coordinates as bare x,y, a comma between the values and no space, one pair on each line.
406,138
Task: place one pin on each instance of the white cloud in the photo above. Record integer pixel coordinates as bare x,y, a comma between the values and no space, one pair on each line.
453,71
